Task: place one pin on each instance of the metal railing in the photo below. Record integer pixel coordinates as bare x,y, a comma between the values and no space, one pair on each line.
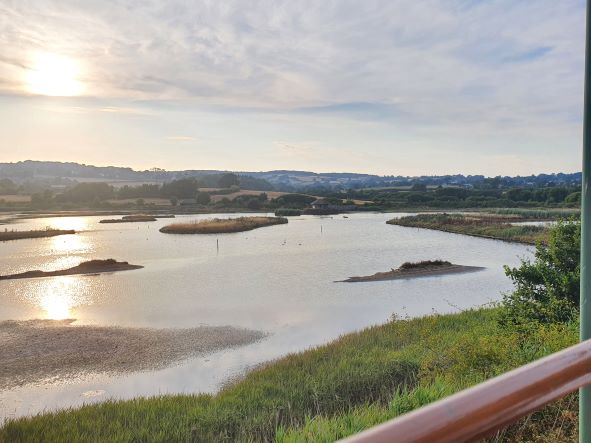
488,407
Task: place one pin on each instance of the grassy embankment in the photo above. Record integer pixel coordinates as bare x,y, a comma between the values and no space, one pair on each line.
329,392
222,226
38,233
478,225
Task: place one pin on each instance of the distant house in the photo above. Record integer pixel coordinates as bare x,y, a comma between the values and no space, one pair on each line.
187,202
324,204
321,203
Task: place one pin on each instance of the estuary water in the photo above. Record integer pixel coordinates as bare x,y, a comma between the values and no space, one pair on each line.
279,279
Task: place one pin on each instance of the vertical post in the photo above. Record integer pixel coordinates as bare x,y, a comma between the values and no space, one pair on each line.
585,297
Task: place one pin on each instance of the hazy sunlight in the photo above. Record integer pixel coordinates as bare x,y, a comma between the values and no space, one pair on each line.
53,75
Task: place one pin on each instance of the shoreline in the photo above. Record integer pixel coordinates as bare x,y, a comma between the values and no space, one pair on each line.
488,237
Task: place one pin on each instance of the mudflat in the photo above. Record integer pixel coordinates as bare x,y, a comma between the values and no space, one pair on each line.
40,350
415,270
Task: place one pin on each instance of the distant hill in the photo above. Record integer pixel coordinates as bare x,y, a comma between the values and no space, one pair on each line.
281,180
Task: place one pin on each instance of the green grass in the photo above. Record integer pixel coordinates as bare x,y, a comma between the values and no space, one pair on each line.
537,214
325,393
475,225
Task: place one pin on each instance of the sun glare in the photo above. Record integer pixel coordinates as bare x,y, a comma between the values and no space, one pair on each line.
54,75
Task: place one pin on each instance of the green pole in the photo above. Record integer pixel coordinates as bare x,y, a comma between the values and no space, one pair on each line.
585,301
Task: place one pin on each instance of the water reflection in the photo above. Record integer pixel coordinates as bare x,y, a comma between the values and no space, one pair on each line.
76,223
71,243
58,297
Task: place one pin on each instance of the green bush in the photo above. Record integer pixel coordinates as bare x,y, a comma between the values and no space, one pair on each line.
287,212
547,289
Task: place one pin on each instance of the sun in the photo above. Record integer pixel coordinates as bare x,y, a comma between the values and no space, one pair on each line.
54,75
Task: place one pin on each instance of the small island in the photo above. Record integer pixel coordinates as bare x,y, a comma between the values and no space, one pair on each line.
88,267
133,219
7,235
223,225
426,268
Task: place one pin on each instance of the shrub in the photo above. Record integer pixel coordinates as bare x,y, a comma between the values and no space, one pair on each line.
547,289
287,212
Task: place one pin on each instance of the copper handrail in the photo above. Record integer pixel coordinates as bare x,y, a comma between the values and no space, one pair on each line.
483,409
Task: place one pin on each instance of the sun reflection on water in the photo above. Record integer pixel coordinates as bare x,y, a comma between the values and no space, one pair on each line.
71,243
58,297
76,223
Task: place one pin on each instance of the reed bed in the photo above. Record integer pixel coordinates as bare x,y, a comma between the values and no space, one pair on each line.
475,225
130,219
223,225
7,235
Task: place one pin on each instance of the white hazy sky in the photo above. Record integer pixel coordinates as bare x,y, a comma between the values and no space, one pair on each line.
382,86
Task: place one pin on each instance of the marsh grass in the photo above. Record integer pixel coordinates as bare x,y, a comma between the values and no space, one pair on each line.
424,264
475,225
222,225
7,235
130,219
536,214
328,392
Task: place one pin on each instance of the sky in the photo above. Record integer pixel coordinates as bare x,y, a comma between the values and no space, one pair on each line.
391,87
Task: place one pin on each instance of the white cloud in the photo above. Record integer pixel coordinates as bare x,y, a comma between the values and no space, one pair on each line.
181,138
463,70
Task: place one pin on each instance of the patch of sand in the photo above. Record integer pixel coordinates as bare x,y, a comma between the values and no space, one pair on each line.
38,350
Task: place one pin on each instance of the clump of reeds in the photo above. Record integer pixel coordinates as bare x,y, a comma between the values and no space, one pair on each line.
222,226
424,264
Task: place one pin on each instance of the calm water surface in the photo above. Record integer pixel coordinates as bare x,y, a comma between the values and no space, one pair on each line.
278,279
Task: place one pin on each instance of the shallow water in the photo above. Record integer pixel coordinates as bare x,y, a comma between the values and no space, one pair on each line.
278,279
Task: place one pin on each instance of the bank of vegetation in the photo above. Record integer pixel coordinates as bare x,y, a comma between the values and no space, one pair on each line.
222,225
487,195
87,267
478,225
227,191
288,212
7,235
131,219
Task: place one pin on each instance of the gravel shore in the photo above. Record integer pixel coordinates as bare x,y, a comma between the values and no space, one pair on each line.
45,350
